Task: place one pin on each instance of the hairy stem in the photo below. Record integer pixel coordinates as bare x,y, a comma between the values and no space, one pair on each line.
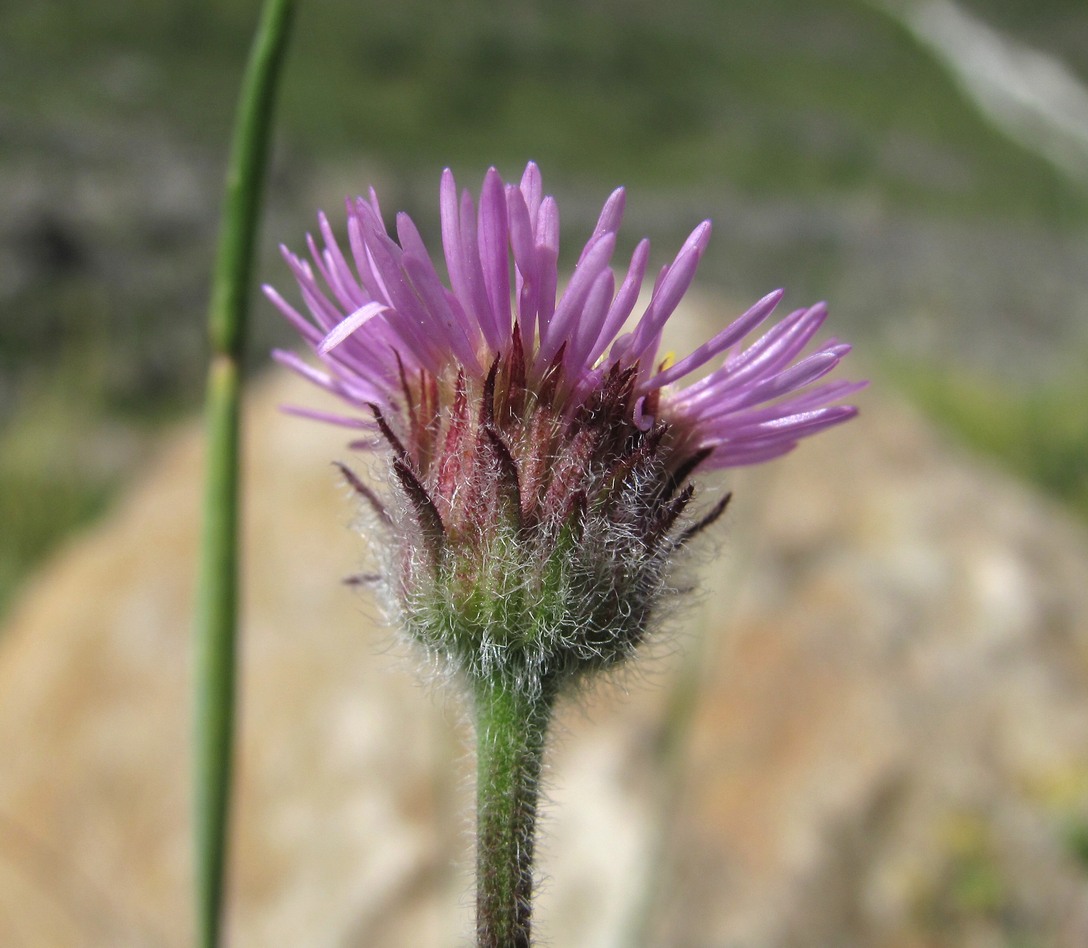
217,594
511,728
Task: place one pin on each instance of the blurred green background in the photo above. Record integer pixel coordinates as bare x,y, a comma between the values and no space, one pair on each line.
836,148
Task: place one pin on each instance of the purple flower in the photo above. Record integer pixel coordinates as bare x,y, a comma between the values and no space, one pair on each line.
527,429
381,314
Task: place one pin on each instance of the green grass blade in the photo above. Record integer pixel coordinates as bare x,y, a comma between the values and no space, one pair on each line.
217,598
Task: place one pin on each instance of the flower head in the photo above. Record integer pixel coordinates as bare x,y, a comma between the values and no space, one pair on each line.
540,447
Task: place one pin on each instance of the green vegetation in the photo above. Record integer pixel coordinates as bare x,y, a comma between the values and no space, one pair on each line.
969,893
53,478
1076,842
795,102
786,98
1040,434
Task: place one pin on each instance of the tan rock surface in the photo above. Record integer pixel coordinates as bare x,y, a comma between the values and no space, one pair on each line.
871,729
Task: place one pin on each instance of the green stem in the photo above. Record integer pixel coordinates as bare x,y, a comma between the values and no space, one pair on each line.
511,729
215,647
217,594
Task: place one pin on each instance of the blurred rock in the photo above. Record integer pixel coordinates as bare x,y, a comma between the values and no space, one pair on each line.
871,728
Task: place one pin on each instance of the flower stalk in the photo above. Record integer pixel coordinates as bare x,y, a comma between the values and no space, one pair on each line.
511,729
215,631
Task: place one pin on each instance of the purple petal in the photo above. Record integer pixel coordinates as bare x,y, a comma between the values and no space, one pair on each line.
474,298
339,275
458,333
344,421
308,372
609,221
570,306
589,323
729,336
532,186
547,253
806,371
769,353
350,324
494,255
304,326
409,238
623,303
451,231
672,285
